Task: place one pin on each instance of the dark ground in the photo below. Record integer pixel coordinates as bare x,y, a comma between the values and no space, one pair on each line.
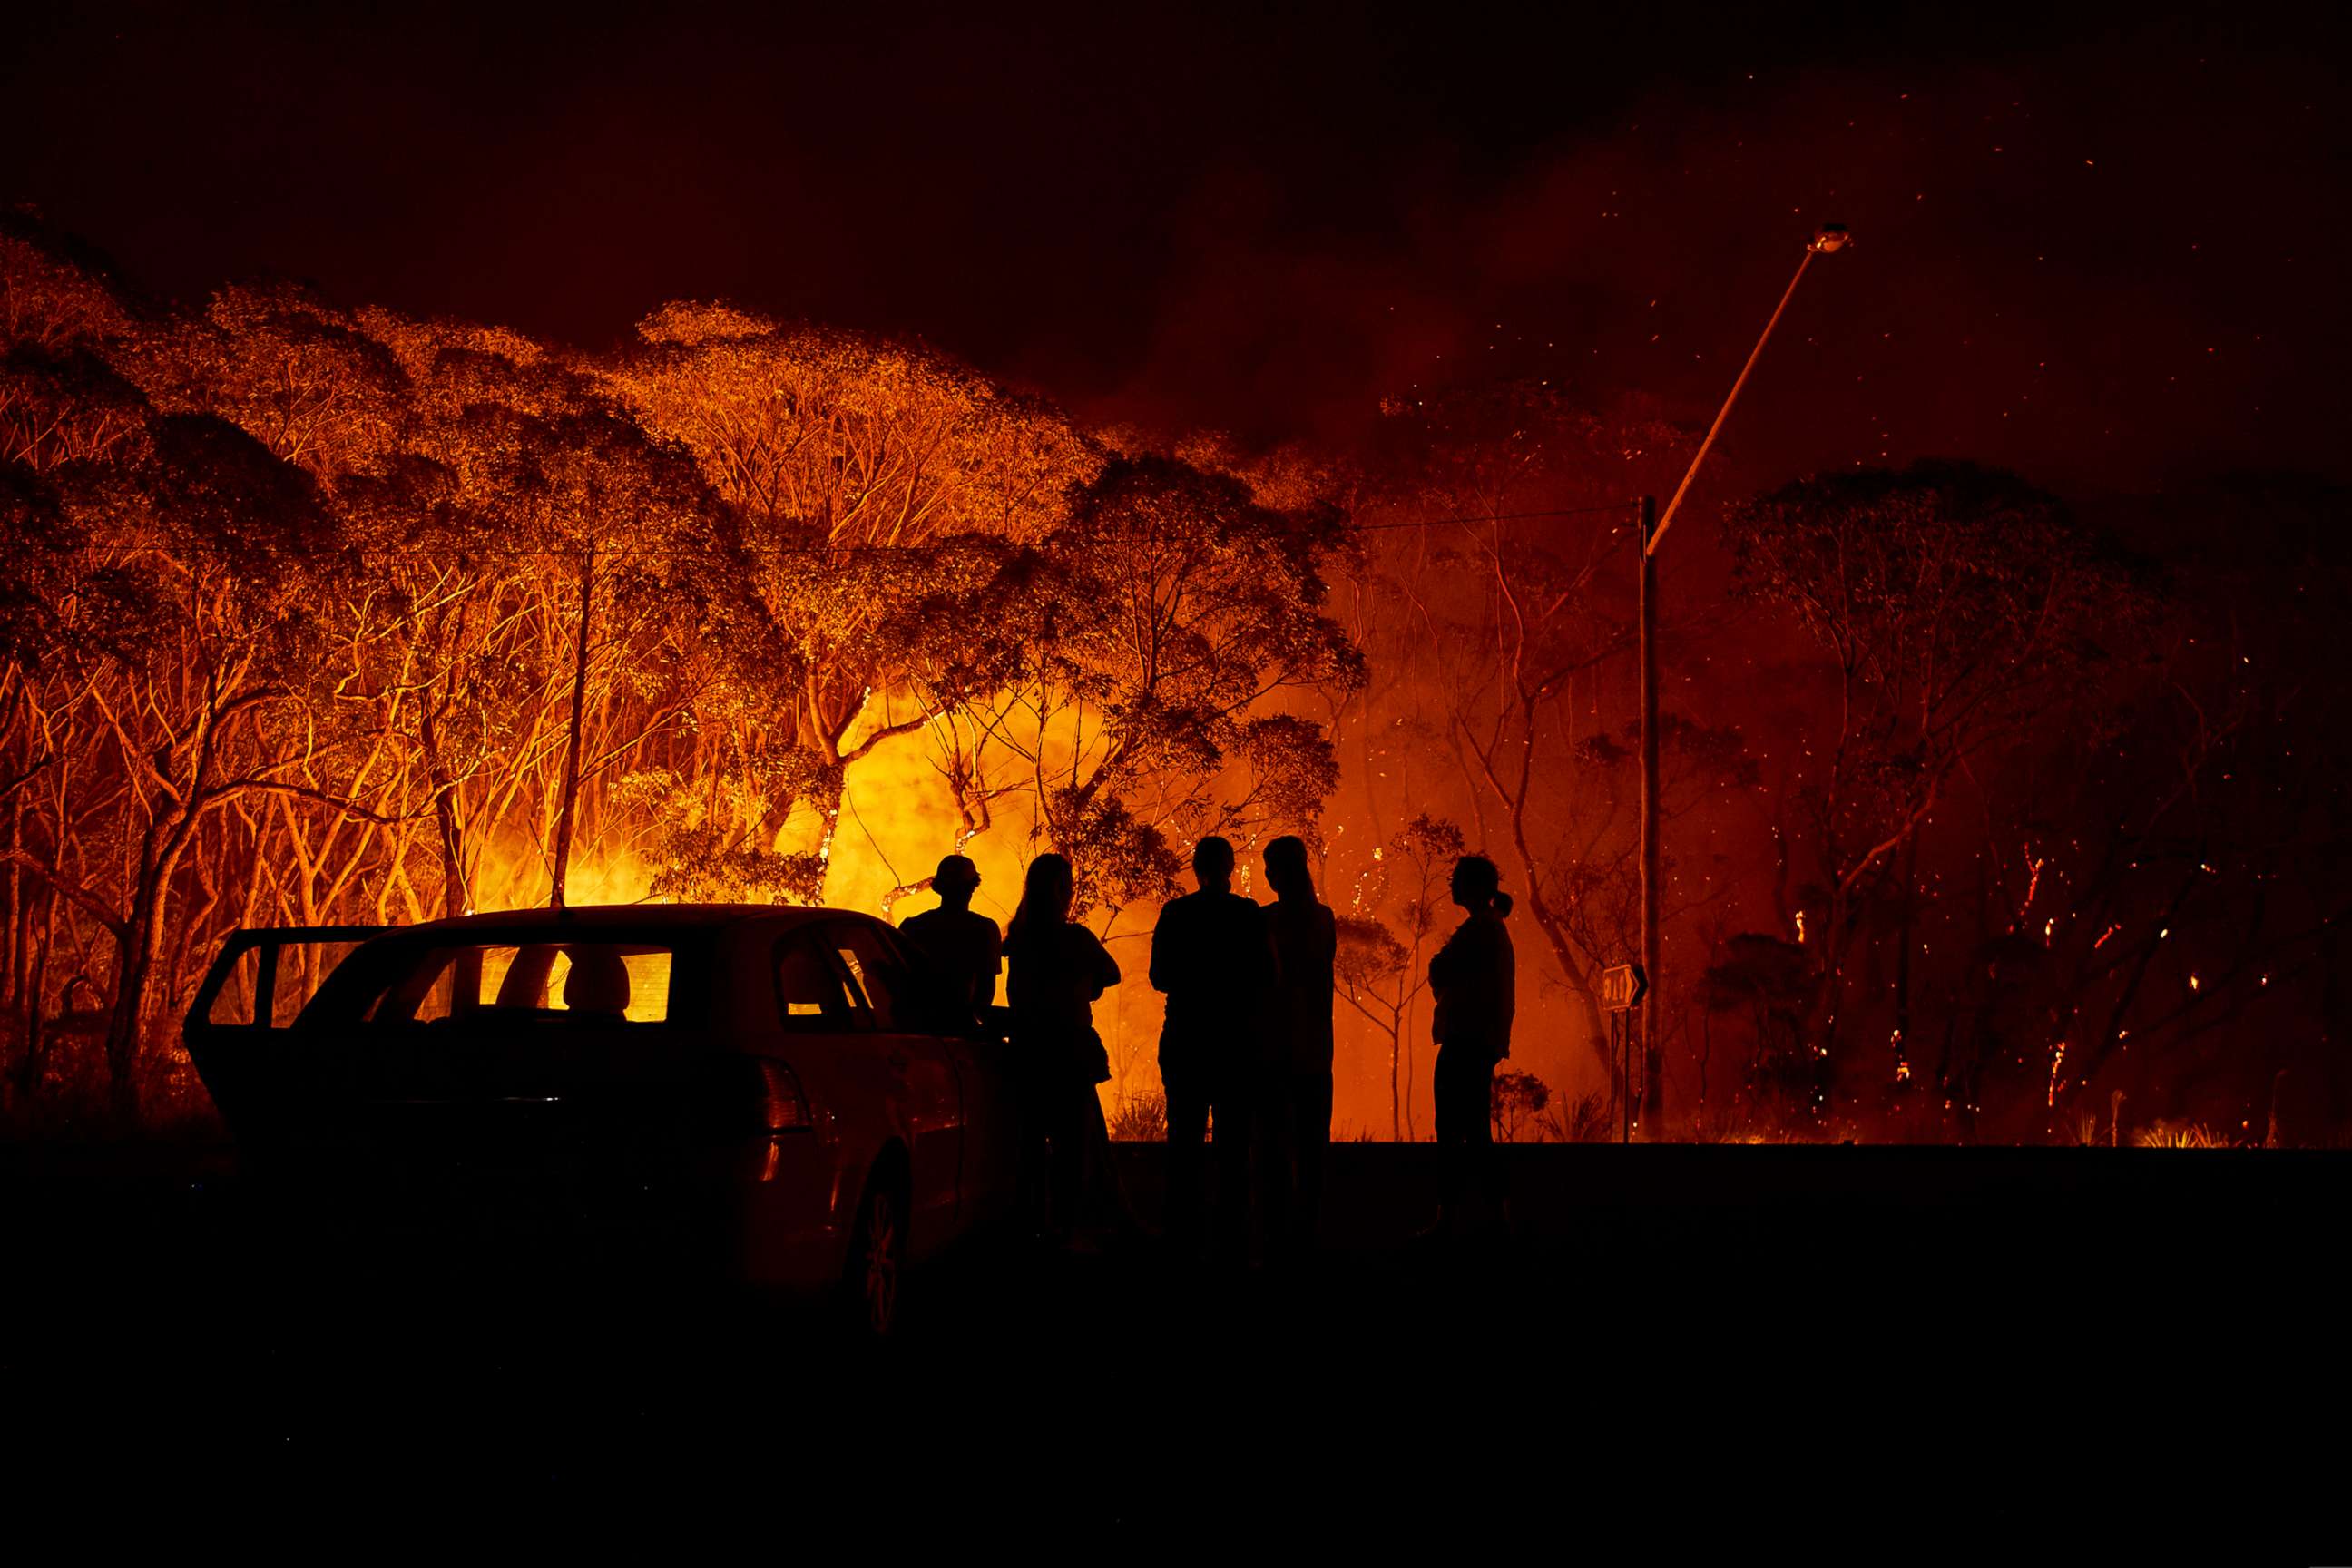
1881,1352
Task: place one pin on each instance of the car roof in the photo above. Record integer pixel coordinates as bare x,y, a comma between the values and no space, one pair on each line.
633,917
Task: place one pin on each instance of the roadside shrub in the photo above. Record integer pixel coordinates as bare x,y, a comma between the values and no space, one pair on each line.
1140,1118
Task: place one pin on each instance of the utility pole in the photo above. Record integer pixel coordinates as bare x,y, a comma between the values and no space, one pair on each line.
1651,1108
1830,238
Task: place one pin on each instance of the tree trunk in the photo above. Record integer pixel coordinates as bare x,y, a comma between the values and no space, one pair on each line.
137,945
568,806
1574,972
1396,1099
36,981
12,981
1821,1037
1906,925
457,898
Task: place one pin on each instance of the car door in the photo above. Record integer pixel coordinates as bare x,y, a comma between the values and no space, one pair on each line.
827,1044
537,1050
919,1063
984,1064
236,1030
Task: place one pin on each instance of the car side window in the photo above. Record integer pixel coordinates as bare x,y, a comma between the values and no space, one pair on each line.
580,980
881,972
812,991
238,1000
303,968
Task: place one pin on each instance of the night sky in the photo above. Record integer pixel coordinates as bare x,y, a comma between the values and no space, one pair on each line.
2106,253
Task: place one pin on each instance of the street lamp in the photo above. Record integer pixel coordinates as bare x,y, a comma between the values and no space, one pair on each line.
1830,238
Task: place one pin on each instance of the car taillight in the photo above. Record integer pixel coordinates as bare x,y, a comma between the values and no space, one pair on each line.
782,1107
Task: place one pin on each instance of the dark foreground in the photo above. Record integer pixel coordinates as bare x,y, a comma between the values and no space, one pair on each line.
1874,1352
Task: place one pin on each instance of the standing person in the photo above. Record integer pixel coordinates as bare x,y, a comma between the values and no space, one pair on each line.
1054,970
1211,955
1474,977
1297,1118
961,944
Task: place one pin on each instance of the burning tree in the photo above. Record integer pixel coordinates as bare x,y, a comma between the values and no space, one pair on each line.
1502,580
317,615
1153,630
869,484
325,616
1381,975
1773,984
1959,609
2182,861
174,672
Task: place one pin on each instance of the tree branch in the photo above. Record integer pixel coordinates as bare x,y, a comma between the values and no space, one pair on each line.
72,892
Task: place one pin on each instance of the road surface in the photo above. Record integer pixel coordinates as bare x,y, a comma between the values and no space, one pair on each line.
1803,1337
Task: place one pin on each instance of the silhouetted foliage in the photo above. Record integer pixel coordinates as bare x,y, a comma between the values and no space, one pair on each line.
312,614
1959,609
1520,1101
315,615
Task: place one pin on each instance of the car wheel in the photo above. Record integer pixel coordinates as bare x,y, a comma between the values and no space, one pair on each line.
877,1256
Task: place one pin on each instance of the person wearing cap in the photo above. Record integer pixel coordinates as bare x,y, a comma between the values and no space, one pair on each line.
962,946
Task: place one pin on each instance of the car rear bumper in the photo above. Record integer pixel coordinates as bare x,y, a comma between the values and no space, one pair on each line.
760,1212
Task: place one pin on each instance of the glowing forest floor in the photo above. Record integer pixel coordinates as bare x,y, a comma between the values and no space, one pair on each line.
1681,1345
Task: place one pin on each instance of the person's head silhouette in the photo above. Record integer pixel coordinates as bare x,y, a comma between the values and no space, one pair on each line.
1213,863
1478,886
955,883
1285,869
598,983
1046,893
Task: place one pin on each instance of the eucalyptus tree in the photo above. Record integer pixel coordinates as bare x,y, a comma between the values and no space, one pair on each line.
871,489
1500,577
192,619
1959,608
1381,974
1157,634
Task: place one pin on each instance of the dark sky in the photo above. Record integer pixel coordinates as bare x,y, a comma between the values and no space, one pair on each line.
2108,252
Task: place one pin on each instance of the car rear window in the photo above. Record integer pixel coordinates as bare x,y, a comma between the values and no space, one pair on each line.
302,965
610,982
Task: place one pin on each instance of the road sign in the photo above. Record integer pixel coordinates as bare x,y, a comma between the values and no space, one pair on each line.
1622,986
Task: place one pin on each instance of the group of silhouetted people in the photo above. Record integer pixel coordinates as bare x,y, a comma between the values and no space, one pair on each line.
1246,1050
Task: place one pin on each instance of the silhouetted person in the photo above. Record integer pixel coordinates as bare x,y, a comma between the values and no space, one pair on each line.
1212,956
596,987
1294,1119
1474,978
961,945
1055,968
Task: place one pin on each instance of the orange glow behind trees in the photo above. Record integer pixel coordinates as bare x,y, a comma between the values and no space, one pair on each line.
312,615
321,616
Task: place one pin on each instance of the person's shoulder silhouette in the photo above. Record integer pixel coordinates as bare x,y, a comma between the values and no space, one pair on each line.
1211,953
953,931
1073,948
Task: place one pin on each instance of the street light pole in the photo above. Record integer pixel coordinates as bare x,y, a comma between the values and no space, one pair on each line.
1830,237
1648,620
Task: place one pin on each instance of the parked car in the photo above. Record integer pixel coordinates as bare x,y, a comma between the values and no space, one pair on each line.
787,1080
